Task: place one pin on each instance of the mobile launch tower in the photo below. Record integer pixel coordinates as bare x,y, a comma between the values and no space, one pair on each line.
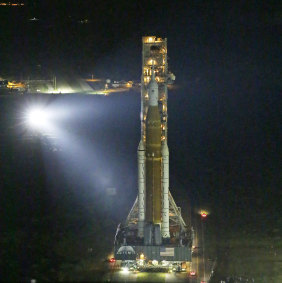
154,229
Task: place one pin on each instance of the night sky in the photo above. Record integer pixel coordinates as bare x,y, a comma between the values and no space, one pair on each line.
224,116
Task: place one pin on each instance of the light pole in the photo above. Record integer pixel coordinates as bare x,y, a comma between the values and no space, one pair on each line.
203,240
204,215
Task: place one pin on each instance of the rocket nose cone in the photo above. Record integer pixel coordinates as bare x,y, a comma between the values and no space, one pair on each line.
141,145
153,83
153,91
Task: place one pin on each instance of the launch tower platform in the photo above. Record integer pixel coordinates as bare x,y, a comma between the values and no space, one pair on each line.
154,229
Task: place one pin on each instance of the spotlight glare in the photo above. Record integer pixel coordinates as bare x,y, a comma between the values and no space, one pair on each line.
36,118
125,269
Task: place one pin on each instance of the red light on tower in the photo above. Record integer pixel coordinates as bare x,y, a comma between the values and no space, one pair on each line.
203,214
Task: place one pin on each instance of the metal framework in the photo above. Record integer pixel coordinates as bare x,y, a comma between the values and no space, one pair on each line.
175,217
154,53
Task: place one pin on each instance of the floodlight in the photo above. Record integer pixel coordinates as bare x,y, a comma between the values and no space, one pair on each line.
37,118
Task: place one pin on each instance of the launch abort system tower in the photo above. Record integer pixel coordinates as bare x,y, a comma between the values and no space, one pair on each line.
154,228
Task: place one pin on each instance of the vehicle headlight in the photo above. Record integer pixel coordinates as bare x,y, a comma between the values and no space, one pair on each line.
125,269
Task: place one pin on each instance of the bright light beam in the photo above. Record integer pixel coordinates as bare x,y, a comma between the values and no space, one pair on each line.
37,118
44,120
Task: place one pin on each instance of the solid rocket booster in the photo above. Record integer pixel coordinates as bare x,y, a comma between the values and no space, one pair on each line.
165,186
153,157
141,189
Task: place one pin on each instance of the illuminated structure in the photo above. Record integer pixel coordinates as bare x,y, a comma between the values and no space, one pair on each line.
11,4
154,226
154,63
154,54
17,86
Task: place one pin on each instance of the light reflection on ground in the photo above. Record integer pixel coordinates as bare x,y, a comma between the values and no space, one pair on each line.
119,276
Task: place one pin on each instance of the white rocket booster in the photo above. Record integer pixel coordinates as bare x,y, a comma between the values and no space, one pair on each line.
141,189
165,186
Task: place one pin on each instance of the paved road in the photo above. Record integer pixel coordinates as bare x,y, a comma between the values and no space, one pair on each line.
119,276
115,275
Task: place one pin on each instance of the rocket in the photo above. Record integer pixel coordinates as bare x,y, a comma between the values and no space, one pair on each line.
153,156
153,176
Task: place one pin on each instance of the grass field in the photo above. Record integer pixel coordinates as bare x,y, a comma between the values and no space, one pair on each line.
252,257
